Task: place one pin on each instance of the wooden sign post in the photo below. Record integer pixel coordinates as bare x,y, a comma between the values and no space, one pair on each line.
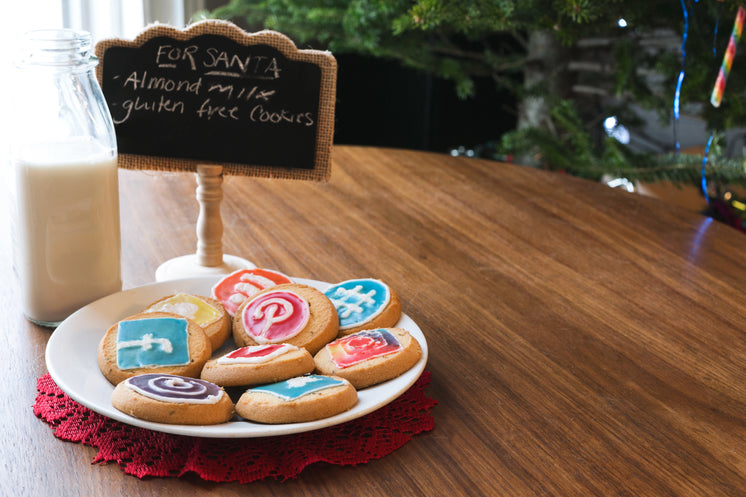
214,100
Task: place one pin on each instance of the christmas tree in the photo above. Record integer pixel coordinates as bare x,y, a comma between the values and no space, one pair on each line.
570,64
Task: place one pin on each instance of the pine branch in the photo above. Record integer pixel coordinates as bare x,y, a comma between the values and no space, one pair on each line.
569,148
459,40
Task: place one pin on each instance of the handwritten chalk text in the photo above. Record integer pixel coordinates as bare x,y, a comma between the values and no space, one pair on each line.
144,82
158,106
217,62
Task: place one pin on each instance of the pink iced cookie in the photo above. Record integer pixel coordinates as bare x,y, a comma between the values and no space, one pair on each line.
296,314
276,316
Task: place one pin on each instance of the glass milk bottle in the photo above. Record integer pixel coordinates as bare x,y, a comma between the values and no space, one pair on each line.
64,155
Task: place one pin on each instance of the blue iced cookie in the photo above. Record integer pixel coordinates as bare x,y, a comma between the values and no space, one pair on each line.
364,304
153,342
297,400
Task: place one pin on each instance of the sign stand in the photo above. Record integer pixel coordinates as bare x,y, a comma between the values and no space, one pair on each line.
209,258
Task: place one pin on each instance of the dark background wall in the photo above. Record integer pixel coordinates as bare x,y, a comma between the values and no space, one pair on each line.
381,103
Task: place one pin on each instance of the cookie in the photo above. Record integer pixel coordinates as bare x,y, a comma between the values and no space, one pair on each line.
153,342
258,364
172,399
300,399
205,311
296,314
364,304
234,289
369,357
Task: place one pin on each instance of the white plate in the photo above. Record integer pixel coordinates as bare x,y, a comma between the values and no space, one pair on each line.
71,361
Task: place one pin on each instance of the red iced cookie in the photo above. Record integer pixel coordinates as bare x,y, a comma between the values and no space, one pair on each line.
239,286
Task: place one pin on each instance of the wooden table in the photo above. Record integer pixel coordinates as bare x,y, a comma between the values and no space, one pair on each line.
583,340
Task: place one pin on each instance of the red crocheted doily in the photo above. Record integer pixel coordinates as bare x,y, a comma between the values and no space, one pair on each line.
141,452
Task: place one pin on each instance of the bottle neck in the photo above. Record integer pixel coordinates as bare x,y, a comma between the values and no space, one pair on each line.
58,48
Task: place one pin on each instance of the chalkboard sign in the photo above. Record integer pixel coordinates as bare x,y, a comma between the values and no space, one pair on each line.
214,94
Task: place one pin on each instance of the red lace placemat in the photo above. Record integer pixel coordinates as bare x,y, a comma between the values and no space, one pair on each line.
141,452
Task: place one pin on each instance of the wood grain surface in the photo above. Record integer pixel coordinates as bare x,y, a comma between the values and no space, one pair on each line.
583,340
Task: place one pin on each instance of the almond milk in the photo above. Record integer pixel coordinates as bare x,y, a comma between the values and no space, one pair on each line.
67,236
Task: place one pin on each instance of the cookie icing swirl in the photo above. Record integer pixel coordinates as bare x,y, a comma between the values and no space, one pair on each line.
177,389
362,346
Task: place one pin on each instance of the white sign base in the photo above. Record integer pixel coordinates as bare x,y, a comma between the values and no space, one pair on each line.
187,266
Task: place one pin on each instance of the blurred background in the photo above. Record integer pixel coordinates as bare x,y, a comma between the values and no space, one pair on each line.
614,91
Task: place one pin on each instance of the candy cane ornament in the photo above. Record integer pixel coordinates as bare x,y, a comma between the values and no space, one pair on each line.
717,92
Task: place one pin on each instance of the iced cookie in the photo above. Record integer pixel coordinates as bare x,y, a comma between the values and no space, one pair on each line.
258,364
369,357
153,342
234,289
172,399
304,398
364,303
205,311
296,314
